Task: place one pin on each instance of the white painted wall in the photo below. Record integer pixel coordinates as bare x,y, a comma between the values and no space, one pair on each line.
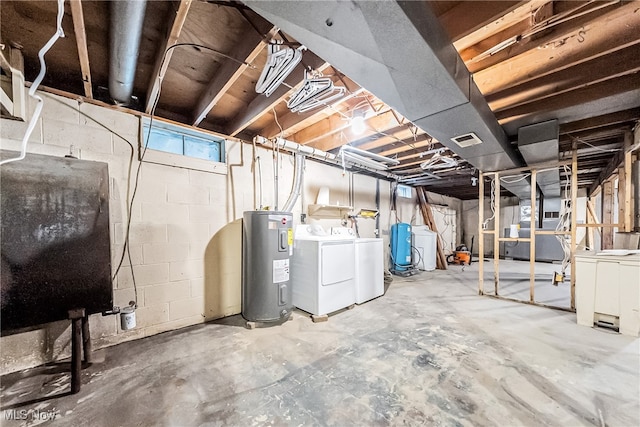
185,229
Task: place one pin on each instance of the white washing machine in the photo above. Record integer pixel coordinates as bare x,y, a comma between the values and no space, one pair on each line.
322,270
369,262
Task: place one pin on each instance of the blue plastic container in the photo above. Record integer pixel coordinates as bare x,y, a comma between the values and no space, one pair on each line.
400,246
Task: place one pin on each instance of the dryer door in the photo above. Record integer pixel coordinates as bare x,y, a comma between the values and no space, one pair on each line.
337,260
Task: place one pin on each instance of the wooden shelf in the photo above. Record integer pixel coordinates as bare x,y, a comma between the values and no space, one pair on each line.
328,211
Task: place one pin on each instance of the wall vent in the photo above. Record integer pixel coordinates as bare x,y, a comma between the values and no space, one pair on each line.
467,140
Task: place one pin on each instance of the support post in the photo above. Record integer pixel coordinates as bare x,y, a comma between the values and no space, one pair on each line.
496,233
480,233
76,317
532,242
574,222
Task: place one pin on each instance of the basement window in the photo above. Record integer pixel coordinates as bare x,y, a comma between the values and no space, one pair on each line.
178,146
403,191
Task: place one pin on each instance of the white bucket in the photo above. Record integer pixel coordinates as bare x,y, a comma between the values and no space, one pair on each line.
513,231
128,318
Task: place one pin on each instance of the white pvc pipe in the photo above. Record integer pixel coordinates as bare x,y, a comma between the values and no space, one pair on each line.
297,184
373,156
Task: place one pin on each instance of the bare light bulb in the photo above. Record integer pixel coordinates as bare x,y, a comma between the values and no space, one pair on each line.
357,125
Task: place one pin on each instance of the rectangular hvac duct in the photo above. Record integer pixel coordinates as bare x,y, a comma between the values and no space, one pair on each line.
399,51
539,143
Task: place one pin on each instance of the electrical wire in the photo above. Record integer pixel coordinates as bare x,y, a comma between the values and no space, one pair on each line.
32,90
492,204
518,178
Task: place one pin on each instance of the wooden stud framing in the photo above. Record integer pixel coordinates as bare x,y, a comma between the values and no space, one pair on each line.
627,214
81,41
162,61
574,204
607,214
532,242
496,233
481,234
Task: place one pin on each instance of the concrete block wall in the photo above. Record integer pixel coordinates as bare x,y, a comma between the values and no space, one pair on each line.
185,231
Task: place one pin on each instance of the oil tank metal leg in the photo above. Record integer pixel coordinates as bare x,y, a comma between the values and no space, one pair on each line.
76,317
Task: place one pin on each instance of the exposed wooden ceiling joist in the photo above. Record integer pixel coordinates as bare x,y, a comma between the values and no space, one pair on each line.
564,47
376,125
81,40
295,122
231,71
262,104
571,98
175,22
599,121
615,64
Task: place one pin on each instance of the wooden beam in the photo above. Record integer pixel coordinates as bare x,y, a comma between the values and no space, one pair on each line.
607,214
614,64
625,201
175,22
378,124
81,42
591,123
573,219
568,44
295,122
510,16
392,136
261,104
613,165
403,146
230,71
570,98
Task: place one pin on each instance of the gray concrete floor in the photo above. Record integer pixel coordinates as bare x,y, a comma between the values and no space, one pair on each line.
429,352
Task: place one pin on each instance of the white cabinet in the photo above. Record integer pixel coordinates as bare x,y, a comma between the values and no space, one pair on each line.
608,291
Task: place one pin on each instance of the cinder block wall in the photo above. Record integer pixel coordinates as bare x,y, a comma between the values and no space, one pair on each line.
185,228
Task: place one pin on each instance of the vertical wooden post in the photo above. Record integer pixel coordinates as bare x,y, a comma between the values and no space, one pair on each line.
607,214
480,233
574,222
532,235
76,317
627,218
496,234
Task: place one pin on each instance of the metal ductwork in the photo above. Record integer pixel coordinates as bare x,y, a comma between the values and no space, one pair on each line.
127,18
400,52
539,143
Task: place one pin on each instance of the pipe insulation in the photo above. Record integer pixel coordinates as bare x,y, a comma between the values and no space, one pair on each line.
297,183
127,17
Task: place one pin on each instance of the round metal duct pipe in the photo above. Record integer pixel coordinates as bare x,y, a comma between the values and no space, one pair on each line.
127,17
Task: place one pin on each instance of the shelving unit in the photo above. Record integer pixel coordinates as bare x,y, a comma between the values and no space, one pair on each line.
328,211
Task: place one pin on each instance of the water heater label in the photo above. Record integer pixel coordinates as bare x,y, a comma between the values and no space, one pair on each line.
280,270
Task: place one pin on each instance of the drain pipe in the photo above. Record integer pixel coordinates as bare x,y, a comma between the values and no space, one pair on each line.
297,183
127,17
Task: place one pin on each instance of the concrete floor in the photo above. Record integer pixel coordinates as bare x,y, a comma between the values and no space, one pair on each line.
429,352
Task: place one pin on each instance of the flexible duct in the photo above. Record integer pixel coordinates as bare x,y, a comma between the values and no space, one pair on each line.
297,184
127,18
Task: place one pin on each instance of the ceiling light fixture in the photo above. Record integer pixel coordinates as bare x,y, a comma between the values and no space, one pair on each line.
357,122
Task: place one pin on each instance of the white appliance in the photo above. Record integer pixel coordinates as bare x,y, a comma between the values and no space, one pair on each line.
425,244
369,262
369,269
322,270
608,290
